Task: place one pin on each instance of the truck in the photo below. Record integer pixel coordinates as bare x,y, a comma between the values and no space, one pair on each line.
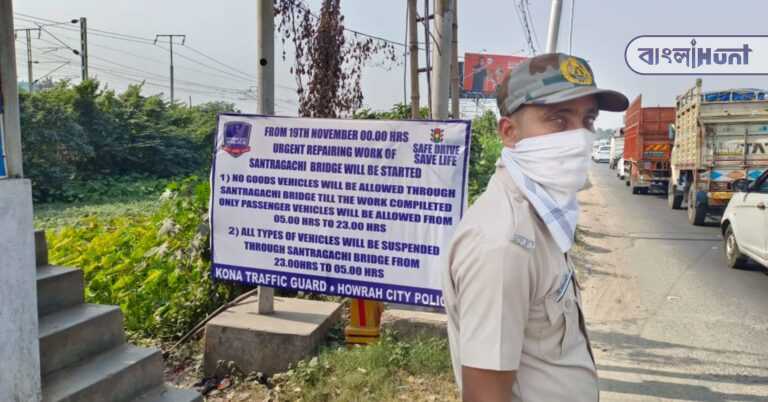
647,147
617,148
719,137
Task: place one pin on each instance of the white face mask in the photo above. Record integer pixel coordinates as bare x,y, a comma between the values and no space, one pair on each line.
550,170
558,162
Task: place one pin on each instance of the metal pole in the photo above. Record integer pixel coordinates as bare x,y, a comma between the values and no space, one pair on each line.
171,42
29,60
455,113
9,90
441,59
427,45
414,56
265,99
265,53
83,48
554,25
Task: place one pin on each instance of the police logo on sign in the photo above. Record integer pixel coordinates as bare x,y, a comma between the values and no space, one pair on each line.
237,138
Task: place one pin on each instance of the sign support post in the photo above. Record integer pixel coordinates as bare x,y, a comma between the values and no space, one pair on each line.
265,99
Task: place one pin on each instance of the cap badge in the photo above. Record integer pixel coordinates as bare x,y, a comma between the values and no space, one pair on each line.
576,72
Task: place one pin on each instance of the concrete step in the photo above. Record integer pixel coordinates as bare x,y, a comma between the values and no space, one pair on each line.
76,333
58,288
168,393
118,375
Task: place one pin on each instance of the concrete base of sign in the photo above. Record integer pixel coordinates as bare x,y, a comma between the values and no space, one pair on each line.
19,347
267,344
408,324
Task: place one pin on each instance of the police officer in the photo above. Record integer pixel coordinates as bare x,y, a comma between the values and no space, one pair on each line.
515,321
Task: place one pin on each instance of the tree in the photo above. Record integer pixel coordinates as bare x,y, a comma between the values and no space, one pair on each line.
328,65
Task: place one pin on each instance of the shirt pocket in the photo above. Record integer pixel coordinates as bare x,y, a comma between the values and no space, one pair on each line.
562,334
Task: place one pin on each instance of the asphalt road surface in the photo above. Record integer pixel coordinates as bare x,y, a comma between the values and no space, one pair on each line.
668,320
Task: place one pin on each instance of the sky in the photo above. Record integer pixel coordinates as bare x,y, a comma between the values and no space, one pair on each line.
219,58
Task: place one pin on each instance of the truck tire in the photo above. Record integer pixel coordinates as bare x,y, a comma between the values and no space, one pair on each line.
674,197
636,190
696,213
736,259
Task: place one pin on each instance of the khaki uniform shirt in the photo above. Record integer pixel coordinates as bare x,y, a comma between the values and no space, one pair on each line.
501,286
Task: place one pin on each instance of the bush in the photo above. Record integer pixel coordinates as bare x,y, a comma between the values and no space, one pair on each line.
154,267
81,133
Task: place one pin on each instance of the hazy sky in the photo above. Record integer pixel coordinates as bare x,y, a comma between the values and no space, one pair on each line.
224,30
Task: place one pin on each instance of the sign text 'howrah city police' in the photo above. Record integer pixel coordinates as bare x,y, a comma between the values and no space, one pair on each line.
698,55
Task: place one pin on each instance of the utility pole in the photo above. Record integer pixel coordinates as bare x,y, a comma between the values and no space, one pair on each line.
554,25
455,91
170,41
413,49
28,32
83,48
265,99
427,41
442,58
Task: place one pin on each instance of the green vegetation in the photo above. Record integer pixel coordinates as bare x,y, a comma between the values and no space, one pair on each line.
383,371
485,150
79,137
154,266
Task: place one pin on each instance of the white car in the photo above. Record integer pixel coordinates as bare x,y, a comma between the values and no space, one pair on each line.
745,223
602,154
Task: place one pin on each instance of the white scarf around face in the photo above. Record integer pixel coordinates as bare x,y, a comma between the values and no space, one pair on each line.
550,170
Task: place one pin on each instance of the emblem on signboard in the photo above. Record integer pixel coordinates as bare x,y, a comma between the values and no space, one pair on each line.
438,135
237,137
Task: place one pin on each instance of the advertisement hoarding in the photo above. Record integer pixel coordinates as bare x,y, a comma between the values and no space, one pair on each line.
483,72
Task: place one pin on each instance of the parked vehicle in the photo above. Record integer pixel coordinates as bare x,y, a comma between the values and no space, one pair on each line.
719,137
745,223
647,146
617,148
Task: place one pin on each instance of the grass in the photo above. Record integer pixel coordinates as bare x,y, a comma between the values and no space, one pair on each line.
55,215
389,370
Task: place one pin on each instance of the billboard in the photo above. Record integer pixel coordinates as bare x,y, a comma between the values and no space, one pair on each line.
483,72
355,208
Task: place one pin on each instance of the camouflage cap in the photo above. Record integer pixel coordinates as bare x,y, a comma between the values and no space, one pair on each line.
553,78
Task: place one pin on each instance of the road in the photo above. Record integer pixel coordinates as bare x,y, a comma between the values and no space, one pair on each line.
667,319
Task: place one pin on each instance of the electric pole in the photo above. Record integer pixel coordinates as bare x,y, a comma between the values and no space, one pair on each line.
442,58
413,49
83,48
554,25
170,42
455,91
28,32
265,99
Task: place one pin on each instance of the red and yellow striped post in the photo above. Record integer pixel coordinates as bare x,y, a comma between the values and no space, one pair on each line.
364,320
